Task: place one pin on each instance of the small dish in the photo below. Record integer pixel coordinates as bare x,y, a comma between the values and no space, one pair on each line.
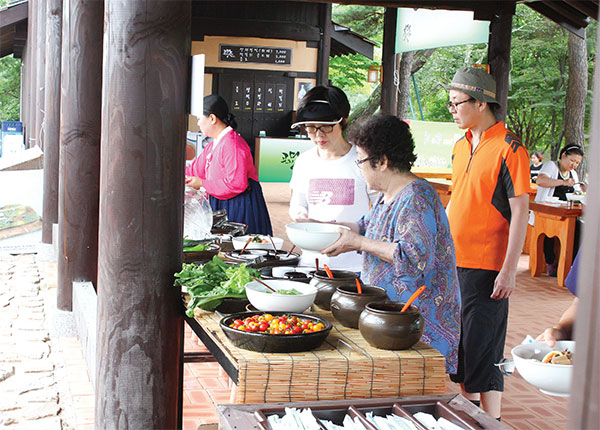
313,236
258,241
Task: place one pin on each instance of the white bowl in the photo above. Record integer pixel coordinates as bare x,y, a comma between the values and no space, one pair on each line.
576,197
313,236
240,241
264,300
553,379
552,199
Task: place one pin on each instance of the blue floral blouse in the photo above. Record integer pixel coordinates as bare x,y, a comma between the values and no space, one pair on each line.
415,219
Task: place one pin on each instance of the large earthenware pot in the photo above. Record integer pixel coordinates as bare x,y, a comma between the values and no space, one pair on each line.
383,326
347,303
326,286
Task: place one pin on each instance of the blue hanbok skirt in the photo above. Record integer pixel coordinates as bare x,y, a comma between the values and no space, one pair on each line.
248,208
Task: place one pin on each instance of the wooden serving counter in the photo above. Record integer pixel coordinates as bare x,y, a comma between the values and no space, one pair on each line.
344,367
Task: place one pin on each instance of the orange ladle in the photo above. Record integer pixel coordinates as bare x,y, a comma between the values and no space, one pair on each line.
358,286
413,298
328,271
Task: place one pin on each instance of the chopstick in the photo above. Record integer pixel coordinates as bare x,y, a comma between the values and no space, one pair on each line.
288,254
317,263
328,271
261,282
273,243
247,242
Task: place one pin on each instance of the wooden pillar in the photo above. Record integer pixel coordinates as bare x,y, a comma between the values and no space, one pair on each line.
389,94
80,109
52,117
499,54
31,72
325,51
41,71
585,385
146,58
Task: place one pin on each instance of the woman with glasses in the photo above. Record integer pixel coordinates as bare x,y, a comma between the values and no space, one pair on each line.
326,182
225,169
557,179
405,239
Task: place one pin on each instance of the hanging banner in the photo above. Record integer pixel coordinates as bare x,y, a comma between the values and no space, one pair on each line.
425,28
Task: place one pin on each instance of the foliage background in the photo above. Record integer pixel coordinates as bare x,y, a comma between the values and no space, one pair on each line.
10,81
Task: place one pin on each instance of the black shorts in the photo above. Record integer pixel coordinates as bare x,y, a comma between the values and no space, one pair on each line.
483,332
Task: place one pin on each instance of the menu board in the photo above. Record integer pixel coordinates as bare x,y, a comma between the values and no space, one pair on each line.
258,97
255,54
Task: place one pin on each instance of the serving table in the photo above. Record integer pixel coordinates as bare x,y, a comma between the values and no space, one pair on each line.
553,220
344,367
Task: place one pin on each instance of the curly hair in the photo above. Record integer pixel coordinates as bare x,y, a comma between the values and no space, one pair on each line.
385,136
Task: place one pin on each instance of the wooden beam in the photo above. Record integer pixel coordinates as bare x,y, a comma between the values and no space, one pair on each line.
325,50
14,14
585,385
52,117
80,104
144,121
499,56
267,29
576,18
389,94
589,8
32,64
40,67
561,20
351,41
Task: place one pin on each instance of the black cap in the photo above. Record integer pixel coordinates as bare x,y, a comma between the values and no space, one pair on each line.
316,111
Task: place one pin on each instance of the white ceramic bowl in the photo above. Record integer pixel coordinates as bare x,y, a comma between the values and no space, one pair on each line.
271,302
576,197
313,236
553,379
239,242
552,199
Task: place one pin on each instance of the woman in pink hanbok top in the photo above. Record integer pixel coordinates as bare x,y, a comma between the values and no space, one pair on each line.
226,171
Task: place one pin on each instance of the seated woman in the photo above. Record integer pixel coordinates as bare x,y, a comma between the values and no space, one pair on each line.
556,179
536,165
405,239
226,170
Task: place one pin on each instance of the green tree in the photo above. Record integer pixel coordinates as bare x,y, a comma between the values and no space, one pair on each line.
10,82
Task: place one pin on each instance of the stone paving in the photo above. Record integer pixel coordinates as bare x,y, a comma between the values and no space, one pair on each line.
32,394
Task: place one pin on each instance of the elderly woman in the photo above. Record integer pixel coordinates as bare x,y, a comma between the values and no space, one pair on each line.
556,179
405,239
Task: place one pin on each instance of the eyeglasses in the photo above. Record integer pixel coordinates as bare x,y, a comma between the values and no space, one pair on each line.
313,129
364,160
454,106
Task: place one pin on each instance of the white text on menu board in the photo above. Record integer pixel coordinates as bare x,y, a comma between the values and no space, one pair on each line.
255,54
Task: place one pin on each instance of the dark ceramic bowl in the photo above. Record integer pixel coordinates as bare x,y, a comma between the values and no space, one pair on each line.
201,256
282,343
326,286
383,326
347,304
232,305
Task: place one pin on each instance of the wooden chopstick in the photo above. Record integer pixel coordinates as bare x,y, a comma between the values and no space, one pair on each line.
261,282
247,242
288,254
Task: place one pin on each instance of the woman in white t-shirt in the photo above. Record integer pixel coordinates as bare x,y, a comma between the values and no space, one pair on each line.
557,179
327,184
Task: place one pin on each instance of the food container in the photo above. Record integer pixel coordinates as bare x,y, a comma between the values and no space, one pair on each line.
383,326
326,286
265,300
347,304
201,256
313,236
552,379
232,305
271,343
257,241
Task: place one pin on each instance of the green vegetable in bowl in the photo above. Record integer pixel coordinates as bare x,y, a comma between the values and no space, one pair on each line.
210,283
283,292
198,247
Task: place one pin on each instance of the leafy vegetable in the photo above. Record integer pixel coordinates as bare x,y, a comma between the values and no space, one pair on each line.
198,247
210,283
283,292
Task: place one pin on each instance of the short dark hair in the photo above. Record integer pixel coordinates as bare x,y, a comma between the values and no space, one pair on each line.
538,155
571,149
217,106
385,135
338,101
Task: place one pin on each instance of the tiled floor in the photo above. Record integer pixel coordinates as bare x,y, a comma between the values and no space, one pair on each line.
536,304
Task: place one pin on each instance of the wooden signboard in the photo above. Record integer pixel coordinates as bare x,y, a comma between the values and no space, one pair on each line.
255,54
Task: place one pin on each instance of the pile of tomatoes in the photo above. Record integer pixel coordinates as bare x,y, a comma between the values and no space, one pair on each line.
270,324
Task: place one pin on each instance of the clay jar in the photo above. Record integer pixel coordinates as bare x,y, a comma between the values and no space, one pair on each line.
383,326
347,304
326,286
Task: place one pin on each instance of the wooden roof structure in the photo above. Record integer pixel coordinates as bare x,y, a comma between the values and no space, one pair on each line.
13,28
114,118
